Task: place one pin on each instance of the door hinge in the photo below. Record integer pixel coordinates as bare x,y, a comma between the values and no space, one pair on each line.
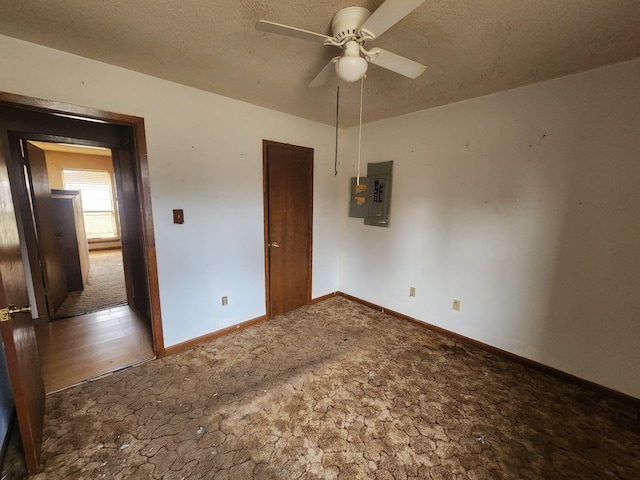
4,315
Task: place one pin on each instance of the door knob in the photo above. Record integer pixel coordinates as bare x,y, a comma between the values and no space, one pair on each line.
274,244
13,309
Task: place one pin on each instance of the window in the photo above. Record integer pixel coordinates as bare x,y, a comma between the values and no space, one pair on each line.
98,203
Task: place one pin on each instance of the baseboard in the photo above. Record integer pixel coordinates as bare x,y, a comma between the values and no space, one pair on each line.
220,333
567,377
212,336
102,246
323,298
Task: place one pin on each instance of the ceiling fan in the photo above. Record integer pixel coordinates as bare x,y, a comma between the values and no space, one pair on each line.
352,27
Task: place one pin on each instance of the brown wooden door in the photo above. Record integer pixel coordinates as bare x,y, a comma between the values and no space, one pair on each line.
133,254
288,181
55,282
18,334
23,203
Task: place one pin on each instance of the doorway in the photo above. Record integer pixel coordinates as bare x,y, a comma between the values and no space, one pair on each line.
288,200
86,216
40,120
90,329
96,344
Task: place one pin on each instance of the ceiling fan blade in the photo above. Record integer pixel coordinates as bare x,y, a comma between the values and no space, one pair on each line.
387,15
327,73
294,32
396,63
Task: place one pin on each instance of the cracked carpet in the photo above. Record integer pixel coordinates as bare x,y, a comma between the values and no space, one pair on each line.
336,390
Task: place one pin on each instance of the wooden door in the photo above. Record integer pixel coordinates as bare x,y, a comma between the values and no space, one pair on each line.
288,172
133,254
55,282
22,202
18,334
36,207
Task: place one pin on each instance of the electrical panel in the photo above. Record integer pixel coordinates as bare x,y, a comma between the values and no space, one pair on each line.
371,198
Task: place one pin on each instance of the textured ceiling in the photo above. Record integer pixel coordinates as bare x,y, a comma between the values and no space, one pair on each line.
471,47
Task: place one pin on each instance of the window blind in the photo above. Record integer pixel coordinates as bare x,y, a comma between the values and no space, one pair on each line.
98,205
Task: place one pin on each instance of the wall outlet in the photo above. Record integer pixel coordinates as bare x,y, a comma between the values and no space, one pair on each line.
412,291
225,301
456,305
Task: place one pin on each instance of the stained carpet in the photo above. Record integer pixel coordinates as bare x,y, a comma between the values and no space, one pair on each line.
105,285
336,390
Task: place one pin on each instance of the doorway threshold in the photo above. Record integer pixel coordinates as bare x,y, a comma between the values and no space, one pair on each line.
86,347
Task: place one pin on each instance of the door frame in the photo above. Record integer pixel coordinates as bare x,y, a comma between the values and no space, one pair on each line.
136,124
265,189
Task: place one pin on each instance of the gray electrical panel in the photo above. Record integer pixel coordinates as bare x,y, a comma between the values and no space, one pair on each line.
371,198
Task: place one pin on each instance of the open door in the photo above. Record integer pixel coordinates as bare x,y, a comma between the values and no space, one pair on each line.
288,196
55,283
18,334
32,195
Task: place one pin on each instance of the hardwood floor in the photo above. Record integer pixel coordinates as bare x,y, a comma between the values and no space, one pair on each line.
87,346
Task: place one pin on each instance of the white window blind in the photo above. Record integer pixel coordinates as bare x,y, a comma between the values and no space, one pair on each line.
97,201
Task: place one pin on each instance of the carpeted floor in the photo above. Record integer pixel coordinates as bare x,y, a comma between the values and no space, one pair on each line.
336,390
105,285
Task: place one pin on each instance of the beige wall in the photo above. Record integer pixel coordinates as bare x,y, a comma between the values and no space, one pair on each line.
57,161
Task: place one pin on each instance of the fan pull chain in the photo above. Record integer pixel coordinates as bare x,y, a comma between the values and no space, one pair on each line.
335,162
360,128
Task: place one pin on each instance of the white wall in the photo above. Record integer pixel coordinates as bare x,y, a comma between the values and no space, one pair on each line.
525,205
205,156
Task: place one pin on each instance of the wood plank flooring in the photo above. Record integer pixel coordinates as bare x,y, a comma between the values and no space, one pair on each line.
87,346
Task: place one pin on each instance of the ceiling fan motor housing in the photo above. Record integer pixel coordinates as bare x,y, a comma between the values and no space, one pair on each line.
346,22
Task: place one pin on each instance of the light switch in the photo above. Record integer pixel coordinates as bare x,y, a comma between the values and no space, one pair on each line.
178,216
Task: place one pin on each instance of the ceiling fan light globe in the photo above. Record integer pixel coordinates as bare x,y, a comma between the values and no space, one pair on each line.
351,68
